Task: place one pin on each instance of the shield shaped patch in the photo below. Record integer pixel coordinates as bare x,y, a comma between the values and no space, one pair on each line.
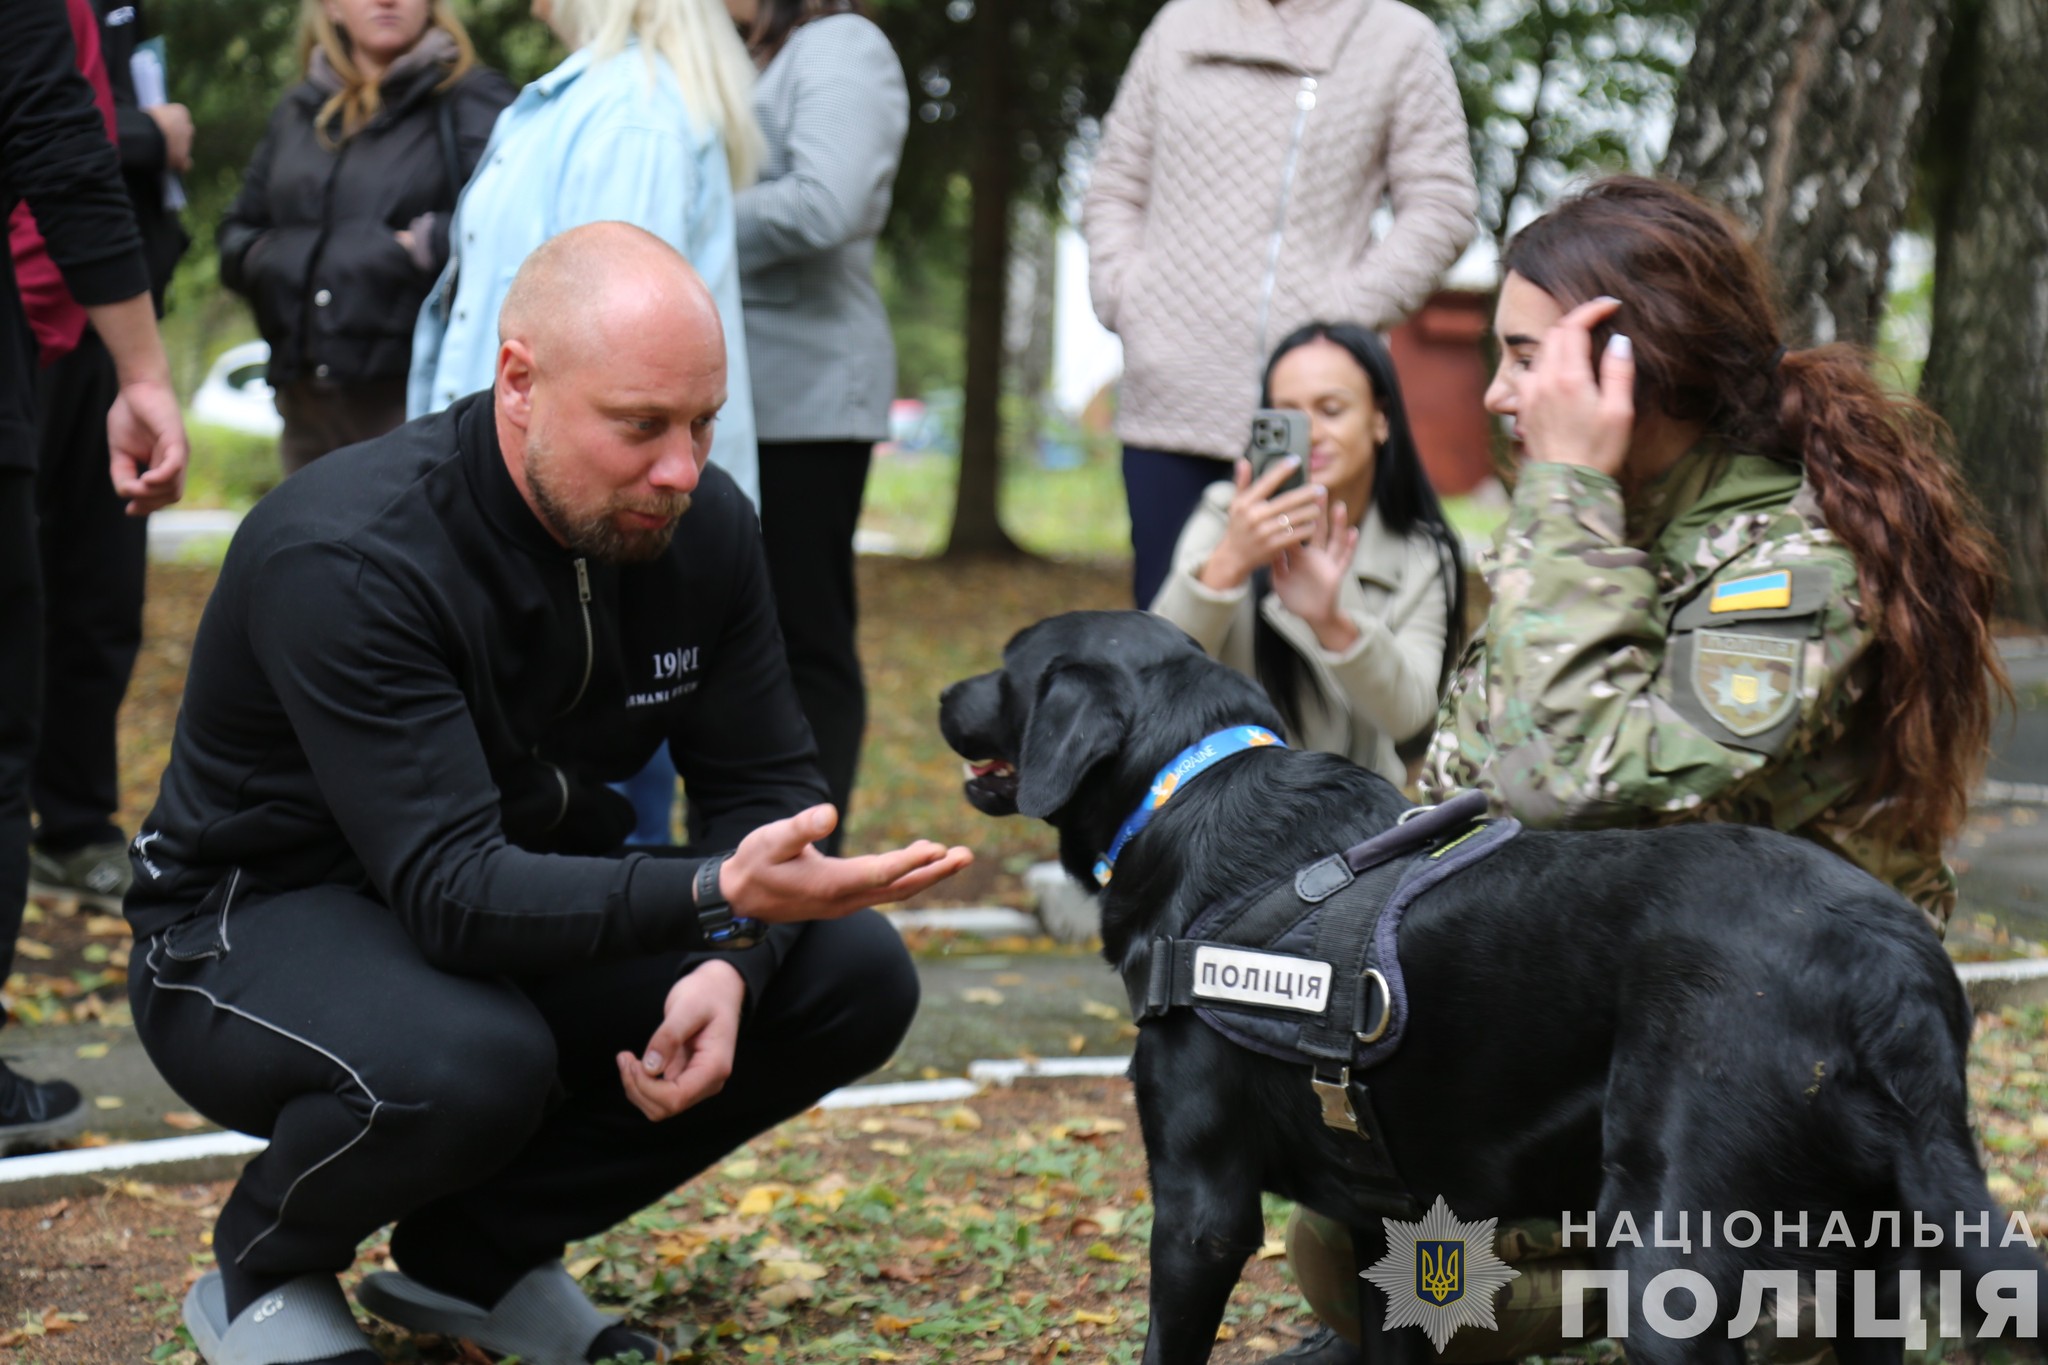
1746,682
1439,1271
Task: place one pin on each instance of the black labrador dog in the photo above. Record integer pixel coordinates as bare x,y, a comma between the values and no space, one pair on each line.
1700,1019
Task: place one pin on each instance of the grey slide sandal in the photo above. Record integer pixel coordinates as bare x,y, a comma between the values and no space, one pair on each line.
544,1319
308,1319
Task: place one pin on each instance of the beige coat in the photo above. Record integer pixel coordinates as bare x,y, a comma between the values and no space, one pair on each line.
1192,191
1358,703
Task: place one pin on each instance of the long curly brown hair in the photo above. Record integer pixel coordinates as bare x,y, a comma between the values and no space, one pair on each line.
1698,309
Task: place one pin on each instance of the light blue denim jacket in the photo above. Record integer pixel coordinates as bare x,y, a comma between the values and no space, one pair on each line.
594,140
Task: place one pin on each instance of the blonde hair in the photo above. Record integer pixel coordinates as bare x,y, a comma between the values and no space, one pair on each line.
698,41
358,100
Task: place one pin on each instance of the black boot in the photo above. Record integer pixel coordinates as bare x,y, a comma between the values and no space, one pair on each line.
36,1113
1321,1347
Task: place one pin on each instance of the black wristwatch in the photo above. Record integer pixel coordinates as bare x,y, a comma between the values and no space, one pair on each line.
724,932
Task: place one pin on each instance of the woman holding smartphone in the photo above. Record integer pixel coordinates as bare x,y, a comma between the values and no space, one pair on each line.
1343,595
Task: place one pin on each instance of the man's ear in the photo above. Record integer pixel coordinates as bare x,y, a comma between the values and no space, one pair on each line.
515,381
1078,721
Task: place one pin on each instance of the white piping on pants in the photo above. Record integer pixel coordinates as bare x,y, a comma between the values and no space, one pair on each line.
376,1104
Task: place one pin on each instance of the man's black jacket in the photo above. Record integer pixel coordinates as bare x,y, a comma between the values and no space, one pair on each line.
402,684
54,153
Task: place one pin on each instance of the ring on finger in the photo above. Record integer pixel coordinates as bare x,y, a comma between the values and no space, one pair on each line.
1285,524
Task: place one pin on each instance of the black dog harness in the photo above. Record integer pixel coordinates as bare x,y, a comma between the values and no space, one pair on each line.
1305,968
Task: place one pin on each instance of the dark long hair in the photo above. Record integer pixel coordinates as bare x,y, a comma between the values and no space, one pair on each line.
775,20
1400,491
1697,307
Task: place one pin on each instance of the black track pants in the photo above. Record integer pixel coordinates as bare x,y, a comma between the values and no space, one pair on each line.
484,1116
94,562
21,691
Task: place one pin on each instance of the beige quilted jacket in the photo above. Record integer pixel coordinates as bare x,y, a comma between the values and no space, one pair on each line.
1249,145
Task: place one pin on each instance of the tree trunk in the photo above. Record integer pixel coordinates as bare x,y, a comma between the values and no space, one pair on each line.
1783,119
991,178
1987,360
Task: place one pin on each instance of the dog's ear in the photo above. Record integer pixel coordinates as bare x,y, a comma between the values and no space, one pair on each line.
1078,720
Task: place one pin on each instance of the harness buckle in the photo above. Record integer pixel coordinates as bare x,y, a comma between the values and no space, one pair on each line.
1336,1098
1371,977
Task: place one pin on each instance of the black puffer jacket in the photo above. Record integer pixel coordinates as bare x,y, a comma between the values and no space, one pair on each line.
311,240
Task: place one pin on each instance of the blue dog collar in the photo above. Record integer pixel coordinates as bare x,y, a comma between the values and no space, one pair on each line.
1196,758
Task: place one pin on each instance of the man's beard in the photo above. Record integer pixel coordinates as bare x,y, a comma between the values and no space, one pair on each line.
596,533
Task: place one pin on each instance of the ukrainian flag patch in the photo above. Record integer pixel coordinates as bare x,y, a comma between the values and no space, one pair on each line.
1757,591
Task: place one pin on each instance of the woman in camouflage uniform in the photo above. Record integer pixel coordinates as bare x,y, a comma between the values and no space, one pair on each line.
1736,583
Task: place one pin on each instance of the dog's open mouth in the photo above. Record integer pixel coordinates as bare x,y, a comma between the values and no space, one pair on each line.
991,785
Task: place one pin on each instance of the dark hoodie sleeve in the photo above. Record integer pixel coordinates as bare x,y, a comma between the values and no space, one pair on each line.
55,155
387,732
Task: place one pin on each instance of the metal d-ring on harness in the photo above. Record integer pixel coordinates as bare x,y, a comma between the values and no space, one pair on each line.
1306,968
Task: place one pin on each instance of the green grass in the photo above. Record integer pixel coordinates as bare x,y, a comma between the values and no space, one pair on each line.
229,468
1059,513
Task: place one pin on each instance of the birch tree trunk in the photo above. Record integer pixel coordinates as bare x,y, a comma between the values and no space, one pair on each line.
1802,117
1987,361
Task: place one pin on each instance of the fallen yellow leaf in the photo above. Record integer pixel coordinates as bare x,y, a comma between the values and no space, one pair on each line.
889,1322
583,1265
741,1168
785,1293
108,1102
34,949
91,1052
781,1269
1103,1251
960,1120
890,1147
1095,1009
976,995
184,1120
1099,1319
761,1199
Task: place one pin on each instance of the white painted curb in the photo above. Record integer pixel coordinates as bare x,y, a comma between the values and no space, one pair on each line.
900,1092
1009,1069
52,1175
1989,985
993,920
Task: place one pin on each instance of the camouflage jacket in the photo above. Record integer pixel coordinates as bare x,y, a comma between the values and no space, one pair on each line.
1701,656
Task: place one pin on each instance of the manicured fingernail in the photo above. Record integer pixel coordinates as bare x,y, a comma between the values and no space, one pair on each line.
1620,347
652,1061
1607,298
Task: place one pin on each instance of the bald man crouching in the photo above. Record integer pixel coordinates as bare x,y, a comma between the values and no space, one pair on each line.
382,914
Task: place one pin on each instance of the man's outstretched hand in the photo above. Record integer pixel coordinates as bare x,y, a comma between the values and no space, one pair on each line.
776,875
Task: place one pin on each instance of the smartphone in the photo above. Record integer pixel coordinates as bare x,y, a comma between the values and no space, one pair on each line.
1276,434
